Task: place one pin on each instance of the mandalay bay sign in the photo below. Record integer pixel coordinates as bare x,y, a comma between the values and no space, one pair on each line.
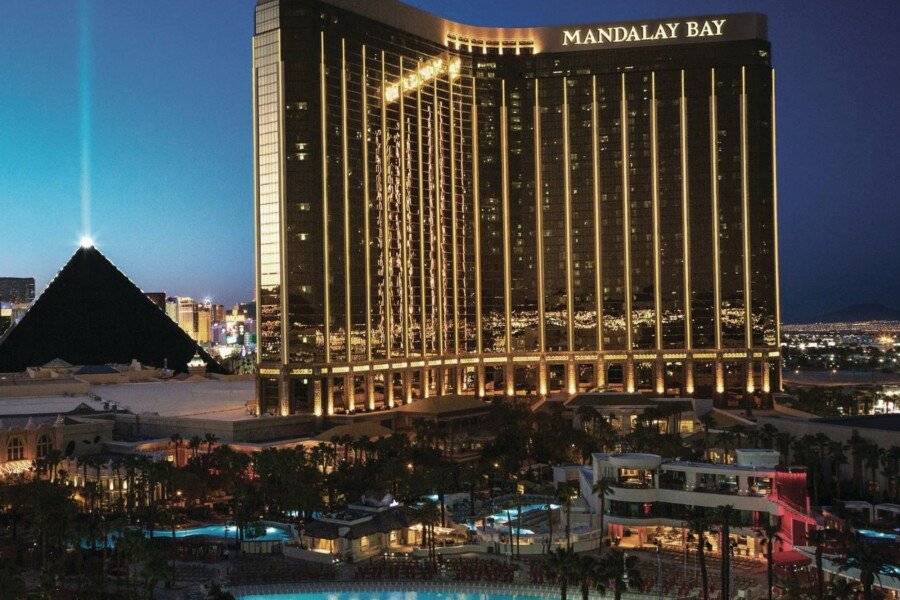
628,34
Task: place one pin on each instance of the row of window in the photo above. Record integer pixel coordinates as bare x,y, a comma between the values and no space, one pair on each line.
15,447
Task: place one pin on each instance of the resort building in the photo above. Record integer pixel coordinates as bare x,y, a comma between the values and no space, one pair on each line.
443,209
363,530
652,499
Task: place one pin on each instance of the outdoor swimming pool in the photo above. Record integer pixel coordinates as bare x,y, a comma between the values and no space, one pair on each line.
270,533
391,595
228,532
877,535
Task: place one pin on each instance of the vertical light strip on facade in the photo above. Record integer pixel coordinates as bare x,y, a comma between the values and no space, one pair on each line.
364,89
539,223
659,367
567,215
714,183
626,215
439,225
504,190
345,172
323,106
685,218
404,229
385,228
476,207
423,325
453,226
595,164
282,226
654,190
509,374
256,224
775,232
745,222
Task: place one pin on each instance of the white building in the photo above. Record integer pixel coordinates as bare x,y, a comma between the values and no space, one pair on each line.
652,497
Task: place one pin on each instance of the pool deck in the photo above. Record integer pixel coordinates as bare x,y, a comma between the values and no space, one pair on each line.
450,587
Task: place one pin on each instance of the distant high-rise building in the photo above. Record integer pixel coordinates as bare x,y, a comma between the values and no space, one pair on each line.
172,309
157,298
187,316
445,208
16,290
202,323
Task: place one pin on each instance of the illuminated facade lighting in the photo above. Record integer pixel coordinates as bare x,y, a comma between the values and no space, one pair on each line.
494,211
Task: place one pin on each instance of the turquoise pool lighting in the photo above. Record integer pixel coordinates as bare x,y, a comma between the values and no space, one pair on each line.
392,595
227,532
876,535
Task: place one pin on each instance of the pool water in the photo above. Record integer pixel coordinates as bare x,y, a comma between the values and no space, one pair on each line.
226,532
876,535
222,532
392,595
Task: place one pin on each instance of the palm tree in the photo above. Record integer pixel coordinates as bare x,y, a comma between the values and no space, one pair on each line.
587,573
602,488
818,537
699,523
871,560
565,494
837,456
726,518
562,564
857,446
210,440
620,568
178,442
770,531
890,462
194,445
783,441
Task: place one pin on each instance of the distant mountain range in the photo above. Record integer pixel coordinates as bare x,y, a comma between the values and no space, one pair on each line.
856,313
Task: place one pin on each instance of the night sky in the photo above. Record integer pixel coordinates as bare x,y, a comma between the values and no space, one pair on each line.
161,104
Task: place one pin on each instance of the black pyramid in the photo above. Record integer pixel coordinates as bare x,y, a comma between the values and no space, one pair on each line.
92,314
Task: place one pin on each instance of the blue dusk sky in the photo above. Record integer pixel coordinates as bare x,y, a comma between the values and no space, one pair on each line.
154,99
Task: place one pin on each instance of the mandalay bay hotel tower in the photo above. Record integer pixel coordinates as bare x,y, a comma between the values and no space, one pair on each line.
444,209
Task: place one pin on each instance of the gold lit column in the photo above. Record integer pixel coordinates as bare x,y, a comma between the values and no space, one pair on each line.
766,384
476,209
567,210
775,234
348,314
385,229
745,218
686,242
659,367
423,323
453,225
539,240
439,225
600,366
323,110
626,232
404,229
364,93
504,175
389,388
349,393
714,182
284,400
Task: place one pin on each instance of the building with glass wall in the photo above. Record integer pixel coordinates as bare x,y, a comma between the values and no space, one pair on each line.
447,209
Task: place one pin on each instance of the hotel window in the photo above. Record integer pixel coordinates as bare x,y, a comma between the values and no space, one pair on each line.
15,450
44,446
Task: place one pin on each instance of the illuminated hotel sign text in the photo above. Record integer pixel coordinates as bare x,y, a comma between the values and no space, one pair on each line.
425,73
620,34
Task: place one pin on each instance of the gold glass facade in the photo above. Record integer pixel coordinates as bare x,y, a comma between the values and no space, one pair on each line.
444,209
